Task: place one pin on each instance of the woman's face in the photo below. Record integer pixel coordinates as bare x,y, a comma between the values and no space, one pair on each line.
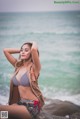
25,52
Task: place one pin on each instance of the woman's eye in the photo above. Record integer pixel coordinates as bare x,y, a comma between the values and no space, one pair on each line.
26,50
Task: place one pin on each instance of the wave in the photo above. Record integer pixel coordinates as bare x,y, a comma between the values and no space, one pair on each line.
3,100
61,94
14,33
56,32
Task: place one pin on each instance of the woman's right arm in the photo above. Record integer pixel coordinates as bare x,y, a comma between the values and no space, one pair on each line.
8,53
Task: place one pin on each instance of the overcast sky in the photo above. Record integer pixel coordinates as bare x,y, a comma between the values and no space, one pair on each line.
35,5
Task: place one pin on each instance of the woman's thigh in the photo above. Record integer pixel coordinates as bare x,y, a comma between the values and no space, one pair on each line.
16,111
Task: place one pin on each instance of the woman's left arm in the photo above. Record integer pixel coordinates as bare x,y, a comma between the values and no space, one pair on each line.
35,57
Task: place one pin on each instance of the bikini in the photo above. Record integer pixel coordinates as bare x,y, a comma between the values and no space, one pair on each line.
24,80
33,106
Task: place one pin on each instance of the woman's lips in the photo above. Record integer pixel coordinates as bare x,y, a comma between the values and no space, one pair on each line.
23,55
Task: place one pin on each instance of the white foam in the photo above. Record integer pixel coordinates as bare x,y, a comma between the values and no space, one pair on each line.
74,98
49,31
64,95
3,100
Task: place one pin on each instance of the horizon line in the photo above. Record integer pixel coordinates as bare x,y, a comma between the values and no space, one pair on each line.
37,11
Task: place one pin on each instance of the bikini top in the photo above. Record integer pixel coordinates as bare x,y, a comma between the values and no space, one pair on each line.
24,80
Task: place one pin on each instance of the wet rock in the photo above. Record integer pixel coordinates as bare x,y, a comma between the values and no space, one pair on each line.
75,115
57,109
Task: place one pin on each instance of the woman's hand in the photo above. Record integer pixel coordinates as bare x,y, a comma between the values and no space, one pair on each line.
34,45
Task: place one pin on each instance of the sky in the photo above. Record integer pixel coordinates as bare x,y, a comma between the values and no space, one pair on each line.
36,5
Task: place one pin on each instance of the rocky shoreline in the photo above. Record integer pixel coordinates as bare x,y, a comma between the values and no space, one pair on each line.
57,109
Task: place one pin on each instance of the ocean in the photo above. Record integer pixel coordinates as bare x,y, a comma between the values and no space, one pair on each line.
58,37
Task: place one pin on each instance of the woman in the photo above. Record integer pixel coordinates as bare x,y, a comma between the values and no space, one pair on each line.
25,100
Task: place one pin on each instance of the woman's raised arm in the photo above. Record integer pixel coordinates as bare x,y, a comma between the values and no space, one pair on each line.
35,57
8,53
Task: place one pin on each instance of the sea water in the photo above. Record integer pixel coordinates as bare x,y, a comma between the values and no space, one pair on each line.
58,37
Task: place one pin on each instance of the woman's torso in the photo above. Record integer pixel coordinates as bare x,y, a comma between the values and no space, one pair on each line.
21,79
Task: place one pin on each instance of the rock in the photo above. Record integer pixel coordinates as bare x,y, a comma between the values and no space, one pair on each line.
75,115
58,109
45,115
61,108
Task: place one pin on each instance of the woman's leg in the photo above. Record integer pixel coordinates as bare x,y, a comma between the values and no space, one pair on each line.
16,111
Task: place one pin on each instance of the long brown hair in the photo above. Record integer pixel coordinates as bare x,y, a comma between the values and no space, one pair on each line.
19,61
